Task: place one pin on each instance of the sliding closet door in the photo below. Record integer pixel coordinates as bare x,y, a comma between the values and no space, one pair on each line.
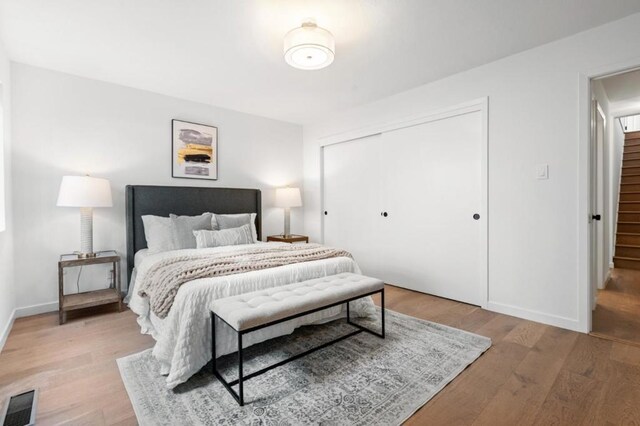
431,191
351,199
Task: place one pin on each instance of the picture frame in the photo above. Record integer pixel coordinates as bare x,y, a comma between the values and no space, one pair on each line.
194,150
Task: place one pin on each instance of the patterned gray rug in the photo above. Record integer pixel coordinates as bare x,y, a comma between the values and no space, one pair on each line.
363,380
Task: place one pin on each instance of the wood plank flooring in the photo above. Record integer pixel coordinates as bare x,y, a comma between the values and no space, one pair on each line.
617,313
533,373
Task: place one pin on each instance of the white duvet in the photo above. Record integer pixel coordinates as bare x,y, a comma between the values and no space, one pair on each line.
183,338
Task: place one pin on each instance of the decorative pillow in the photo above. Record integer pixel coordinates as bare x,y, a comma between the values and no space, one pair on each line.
173,232
228,221
183,227
224,237
159,233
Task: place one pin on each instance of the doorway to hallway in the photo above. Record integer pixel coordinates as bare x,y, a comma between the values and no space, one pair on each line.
615,206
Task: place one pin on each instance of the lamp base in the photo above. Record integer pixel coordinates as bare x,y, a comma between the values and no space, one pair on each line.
287,222
86,233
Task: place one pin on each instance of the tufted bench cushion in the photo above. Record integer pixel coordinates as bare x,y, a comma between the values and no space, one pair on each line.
257,308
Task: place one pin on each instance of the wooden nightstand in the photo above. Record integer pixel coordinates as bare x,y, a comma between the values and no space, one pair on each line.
289,238
70,302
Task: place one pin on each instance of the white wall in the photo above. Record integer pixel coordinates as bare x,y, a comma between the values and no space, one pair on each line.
535,117
69,125
7,295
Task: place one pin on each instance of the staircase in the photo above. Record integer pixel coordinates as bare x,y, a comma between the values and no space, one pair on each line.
627,254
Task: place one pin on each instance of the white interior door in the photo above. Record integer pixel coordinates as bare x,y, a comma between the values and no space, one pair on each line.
593,204
603,263
432,188
351,199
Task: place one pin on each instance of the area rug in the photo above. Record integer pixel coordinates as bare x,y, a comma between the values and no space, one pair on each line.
363,380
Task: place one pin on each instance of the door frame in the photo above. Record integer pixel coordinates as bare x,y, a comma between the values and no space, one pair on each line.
585,291
598,169
602,196
477,105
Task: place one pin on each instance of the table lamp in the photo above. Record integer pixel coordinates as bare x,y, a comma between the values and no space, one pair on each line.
87,193
287,198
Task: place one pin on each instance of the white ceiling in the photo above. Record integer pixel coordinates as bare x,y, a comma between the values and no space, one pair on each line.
229,52
623,91
622,87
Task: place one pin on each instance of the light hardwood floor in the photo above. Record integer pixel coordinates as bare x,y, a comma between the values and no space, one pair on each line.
617,313
533,374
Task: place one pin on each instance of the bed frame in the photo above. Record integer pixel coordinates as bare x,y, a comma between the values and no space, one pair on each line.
164,200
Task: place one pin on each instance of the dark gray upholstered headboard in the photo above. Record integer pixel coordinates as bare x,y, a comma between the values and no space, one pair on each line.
164,200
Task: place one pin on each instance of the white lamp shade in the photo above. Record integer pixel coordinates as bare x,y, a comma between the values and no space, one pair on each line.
309,47
288,197
84,191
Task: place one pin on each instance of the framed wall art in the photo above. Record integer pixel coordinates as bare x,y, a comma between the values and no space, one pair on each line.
194,150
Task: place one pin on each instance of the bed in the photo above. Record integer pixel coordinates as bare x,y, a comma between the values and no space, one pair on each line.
183,344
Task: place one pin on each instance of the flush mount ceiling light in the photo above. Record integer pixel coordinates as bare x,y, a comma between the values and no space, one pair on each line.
309,47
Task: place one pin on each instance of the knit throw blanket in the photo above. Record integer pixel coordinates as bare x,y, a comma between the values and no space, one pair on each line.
163,280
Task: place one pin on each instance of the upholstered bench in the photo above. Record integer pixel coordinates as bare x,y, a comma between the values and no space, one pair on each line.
259,309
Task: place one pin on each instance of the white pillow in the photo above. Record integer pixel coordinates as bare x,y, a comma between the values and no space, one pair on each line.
183,227
235,221
173,232
159,233
224,237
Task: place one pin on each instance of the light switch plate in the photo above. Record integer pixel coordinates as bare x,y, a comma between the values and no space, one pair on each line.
542,171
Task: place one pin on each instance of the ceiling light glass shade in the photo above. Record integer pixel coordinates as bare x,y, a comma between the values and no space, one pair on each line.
309,47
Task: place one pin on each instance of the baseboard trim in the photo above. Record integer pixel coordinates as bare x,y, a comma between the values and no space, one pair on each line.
41,308
603,286
537,316
7,329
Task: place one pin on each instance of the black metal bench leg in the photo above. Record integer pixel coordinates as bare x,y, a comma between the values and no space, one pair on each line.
348,314
382,309
214,364
240,389
214,368
375,333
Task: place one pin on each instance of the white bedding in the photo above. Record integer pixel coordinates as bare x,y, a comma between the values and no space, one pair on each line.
183,338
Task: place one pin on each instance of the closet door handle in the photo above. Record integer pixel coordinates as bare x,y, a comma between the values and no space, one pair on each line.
596,217
385,214
476,216
325,213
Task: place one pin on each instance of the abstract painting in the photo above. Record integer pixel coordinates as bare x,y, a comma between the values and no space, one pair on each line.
194,150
